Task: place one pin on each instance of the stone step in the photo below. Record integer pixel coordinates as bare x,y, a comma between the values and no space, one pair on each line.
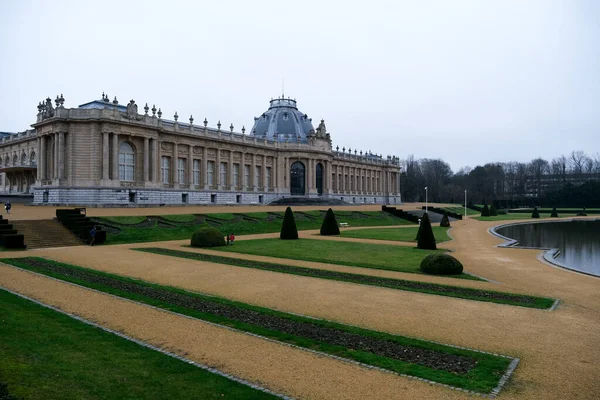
45,233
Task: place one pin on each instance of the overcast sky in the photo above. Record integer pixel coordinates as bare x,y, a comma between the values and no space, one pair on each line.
466,81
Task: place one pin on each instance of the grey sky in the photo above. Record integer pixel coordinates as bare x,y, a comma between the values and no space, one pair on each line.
466,81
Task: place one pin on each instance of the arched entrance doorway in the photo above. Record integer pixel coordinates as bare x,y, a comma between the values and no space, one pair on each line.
297,179
319,178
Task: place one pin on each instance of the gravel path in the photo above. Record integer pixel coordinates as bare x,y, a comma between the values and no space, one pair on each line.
559,350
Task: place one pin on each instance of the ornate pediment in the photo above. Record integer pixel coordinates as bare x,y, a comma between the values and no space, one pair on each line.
132,112
166,146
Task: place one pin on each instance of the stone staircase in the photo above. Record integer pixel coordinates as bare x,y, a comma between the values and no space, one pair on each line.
45,233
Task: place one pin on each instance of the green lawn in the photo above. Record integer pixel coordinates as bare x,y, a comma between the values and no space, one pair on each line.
231,223
510,216
367,255
397,234
48,355
484,375
126,220
180,217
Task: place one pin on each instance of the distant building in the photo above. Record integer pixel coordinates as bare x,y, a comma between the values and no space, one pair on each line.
104,153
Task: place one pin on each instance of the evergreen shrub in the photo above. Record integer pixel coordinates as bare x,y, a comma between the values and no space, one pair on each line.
288,227
426,240
330,225
554,214
441,264
536,213
445,222
208,237
486,211
493,211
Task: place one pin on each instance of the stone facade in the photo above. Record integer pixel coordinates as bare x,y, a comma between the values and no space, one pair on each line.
105,154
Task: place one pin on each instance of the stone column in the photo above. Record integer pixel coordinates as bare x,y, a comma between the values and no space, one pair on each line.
264,169
204,170
55,157
274,172
39,158
175,165
190,166
42,160
155,162
217,171
115,157
230,171
253,173
61,155
105,155
343,179
146,174
241,172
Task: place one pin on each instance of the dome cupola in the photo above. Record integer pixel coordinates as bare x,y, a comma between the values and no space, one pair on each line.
283,122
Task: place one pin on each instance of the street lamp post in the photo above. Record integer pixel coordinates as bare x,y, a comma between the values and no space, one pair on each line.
465,204
425,198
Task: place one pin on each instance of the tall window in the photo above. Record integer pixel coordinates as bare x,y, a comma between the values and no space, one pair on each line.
181,170
246,175
165,164
210,173
223,173
126,162
236,174
196,172
268,171
257,174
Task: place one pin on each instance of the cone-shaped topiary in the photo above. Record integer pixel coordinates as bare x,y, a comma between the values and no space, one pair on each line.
486,211
493,211
535,213
288,227
554,214
445,222
330,225
441,264
207,237
426,239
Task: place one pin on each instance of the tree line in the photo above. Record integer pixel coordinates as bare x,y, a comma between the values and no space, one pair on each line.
565,181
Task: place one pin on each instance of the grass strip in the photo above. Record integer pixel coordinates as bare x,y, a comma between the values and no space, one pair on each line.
407,234
227,223
366,255
457,367
49,355
400,284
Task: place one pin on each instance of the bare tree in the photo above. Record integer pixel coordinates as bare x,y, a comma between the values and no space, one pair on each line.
537,169
577,161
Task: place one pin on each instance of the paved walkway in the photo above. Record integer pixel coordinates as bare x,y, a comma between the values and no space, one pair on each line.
559,350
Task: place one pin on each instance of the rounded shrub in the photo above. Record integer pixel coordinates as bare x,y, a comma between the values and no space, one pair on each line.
441,264
535,213
445,222
288,227
486,211
426,240
330,225
581,214
554,214
493,211
207,237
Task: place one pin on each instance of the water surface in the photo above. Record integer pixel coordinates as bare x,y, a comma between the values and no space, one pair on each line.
578,241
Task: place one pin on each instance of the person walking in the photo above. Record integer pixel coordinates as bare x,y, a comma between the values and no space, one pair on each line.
231,238
93,235
7,207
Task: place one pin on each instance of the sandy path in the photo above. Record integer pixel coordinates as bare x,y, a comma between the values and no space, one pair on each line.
280,368
560,350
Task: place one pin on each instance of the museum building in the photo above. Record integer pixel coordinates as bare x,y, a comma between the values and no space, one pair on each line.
103,153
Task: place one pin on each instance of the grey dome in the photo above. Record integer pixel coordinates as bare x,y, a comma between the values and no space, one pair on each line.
282,122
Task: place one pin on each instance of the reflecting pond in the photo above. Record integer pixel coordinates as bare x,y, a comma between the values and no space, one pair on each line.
578,241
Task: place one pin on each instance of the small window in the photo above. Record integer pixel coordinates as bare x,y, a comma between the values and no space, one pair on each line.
354,199
184,197
45,198
261,199
238,198
213,198
132,197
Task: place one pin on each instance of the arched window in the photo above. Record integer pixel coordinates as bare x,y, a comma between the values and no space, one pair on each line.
126,162
319,178
297,179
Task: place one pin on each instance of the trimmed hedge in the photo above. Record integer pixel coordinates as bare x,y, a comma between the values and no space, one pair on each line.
330,225
441,264
445,222
581,214
535,213
493,211
207,237
426,240
288,227
501,212
485,212
14,241
554,214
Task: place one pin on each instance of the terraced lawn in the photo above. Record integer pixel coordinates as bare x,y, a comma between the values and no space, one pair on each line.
49,355
367,255
397,234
